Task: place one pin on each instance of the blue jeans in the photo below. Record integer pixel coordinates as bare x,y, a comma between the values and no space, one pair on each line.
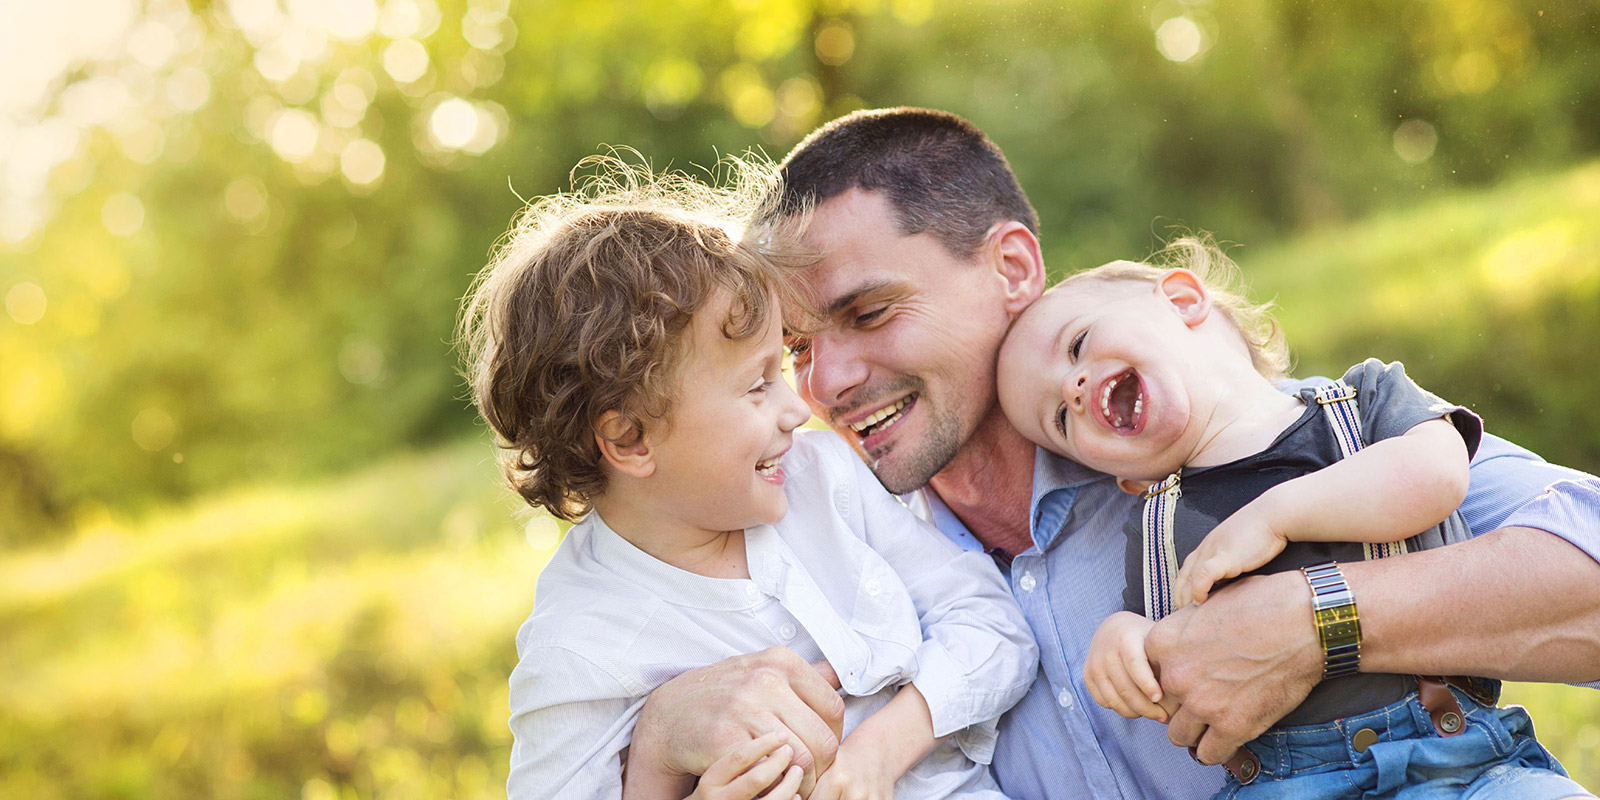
1495,757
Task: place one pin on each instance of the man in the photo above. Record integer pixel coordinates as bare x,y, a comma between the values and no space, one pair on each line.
930,250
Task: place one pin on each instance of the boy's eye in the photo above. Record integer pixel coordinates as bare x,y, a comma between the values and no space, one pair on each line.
1076,345
1061,420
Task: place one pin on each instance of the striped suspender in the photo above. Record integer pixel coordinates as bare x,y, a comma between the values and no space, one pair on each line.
1338,403
1160,556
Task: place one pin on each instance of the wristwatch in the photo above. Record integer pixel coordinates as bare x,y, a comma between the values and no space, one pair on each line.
1338,624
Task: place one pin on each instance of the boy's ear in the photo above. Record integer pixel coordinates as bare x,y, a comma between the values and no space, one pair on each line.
1187,295
634,458
1017,259
1135,488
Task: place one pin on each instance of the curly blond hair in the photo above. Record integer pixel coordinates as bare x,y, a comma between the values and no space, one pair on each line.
585,306
1262,334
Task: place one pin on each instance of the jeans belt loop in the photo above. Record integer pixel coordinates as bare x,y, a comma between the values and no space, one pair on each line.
1243,765
1441,705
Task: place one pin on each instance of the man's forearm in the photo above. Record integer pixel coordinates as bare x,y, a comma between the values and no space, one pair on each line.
1518,604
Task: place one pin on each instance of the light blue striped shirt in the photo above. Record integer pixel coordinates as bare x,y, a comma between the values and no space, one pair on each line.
1057,743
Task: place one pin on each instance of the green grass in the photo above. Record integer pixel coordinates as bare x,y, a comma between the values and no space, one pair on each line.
1492,300
345,639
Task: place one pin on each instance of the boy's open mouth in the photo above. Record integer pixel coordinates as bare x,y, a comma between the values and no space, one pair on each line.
883,417
769,467
1122,402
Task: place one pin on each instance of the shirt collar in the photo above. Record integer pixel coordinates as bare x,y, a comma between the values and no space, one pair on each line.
681,587
1055,485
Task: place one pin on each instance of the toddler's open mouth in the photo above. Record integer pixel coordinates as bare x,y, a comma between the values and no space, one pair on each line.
1122,402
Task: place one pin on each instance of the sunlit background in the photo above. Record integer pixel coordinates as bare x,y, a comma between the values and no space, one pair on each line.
252,540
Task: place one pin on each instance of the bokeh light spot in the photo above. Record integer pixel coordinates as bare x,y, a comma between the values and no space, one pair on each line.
1414,141
1178,39
154,429
188,89
245,199
453,123
360,361
835,44
405,60
292,132
122,214
26,303
362,161
751,102
542,533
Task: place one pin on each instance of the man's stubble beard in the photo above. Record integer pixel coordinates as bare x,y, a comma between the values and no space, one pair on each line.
909,466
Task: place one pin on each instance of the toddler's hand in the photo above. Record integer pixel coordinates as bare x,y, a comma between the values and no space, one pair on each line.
752,772
1240,543
858,773
1117,672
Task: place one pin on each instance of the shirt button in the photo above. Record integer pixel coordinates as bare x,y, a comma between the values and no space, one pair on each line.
1064,698
1027,582
751,591
873,587
787,631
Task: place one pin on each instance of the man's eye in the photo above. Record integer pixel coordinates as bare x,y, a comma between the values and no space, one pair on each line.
798,347
1076,346
868,317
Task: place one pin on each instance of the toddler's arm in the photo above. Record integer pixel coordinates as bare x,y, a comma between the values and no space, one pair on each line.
1117,672
886,744
1388,491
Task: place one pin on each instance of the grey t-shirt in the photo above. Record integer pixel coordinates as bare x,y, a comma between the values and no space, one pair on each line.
1390,404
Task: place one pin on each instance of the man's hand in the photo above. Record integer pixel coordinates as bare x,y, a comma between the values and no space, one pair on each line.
1242,542
694,719
1238,663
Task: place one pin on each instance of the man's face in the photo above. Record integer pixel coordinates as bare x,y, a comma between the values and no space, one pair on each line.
903,365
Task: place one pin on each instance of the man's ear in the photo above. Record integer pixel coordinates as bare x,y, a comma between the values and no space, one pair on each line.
623,446
1135,488
1017,259
1187,295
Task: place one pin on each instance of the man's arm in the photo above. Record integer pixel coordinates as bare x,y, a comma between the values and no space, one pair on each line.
691,720
1519,603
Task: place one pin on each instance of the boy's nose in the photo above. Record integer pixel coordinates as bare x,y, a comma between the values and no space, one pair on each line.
794,412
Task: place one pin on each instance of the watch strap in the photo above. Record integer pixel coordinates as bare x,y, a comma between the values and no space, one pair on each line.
1333,608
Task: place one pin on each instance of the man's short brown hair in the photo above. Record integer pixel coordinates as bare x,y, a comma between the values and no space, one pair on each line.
939,172
585,309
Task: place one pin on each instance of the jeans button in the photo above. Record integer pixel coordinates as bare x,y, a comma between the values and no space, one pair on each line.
1450,721
1363,739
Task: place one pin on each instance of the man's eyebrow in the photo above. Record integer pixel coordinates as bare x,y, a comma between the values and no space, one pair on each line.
854,296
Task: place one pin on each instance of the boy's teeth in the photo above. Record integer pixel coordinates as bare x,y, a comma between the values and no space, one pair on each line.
879,416
768,467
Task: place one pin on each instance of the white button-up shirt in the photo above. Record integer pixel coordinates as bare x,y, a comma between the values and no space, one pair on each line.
849,574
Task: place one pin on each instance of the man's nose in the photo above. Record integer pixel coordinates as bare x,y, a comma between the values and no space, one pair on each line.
835,370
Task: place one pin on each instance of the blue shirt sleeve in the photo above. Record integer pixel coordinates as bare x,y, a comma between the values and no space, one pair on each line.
1509,487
